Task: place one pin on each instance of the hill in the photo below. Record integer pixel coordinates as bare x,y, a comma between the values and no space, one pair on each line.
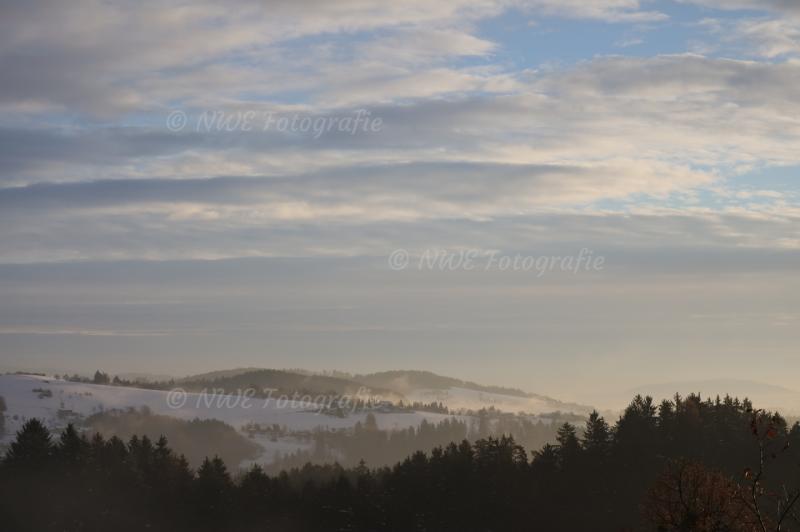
425,387
284,382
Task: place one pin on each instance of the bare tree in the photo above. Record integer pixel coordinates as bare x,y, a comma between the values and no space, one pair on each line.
688,497
773,508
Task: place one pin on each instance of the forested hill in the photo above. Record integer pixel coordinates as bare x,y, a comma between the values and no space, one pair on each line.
384,382
283,382
404,380
449,390
685,464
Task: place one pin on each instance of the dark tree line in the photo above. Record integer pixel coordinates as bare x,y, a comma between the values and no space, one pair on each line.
195,438
377,447
685,464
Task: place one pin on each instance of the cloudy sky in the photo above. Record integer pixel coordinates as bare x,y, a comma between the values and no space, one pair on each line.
167,204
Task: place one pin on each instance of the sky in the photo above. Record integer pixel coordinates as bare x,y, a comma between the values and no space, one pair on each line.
190,186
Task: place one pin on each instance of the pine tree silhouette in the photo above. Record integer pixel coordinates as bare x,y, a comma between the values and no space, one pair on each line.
32,448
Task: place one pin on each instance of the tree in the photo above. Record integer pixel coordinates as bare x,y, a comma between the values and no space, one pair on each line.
545,461
596,435
637,426
568,446
689,497
770,507
72,448
33,448
213,492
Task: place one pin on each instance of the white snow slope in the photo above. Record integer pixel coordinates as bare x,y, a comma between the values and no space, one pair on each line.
24,403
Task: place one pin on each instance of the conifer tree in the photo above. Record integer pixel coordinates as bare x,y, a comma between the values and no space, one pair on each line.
596,435
32,448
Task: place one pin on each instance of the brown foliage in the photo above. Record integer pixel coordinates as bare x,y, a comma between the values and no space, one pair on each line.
689,497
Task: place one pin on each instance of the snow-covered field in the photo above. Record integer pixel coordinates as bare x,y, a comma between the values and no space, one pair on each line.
56,402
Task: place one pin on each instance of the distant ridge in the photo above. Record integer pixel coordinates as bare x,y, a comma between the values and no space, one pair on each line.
396,380
407,385
282,381
407,381
219,374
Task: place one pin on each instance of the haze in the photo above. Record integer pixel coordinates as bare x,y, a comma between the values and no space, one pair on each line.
663,136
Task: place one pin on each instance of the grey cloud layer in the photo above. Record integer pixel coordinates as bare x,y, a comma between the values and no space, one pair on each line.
106,58
607,137
617,129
